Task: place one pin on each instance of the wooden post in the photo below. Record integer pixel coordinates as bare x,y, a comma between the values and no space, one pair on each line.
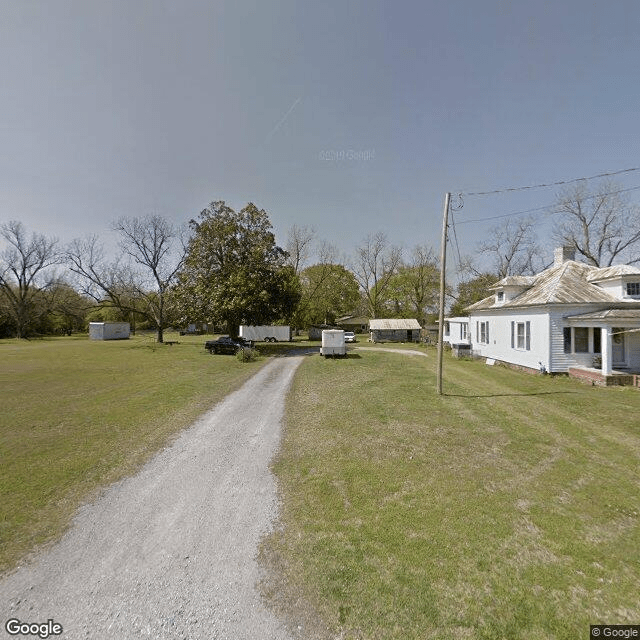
443,266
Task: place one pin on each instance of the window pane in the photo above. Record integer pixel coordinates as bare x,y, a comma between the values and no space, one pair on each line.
567,339
581,339
521,343
597,335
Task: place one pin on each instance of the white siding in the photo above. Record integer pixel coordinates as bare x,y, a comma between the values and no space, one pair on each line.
633,341
499,345
458,331
546,338
561,361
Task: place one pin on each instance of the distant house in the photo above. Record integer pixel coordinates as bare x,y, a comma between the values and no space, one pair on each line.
394,330
570,318
315,330
357,324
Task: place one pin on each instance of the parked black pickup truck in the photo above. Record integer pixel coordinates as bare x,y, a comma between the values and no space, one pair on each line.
225,344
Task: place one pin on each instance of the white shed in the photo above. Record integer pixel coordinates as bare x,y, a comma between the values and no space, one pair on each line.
109,330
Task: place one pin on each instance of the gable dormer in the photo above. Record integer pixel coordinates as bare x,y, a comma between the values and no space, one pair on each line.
510,288
620,281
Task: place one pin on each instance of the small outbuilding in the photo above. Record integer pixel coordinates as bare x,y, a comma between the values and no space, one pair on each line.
357,324
395,330
109,330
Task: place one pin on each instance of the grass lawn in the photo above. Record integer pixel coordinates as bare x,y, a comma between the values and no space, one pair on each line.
77,414
509,508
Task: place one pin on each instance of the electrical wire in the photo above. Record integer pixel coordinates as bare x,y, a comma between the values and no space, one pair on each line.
549,184
545,208
455,238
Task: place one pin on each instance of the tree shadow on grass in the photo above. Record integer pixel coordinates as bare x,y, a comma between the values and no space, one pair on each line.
509,395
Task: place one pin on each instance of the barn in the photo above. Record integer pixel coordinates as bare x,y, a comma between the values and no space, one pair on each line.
109,330
394,330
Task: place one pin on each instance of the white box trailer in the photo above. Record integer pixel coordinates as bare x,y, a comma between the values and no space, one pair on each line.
266,333
109,330
333,344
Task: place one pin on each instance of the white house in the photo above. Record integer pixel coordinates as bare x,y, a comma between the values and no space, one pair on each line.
456,331
571,316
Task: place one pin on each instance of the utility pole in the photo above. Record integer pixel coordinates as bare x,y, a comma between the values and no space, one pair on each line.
443,266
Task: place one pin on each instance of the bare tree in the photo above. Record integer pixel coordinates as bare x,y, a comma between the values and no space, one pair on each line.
299,243
153,251
513,248
24,274
601,224
374,265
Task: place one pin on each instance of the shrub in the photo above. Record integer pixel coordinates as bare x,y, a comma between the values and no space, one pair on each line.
247,354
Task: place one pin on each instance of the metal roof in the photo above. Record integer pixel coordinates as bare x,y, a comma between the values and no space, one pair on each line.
514,281
393,323
609,315
566,283
617,271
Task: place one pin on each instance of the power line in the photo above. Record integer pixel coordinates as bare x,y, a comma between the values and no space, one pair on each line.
455,238
549,184
546,207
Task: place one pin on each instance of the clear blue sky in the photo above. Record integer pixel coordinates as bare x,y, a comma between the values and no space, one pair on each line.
352,116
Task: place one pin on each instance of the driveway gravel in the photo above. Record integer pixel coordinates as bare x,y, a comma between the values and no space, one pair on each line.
171,552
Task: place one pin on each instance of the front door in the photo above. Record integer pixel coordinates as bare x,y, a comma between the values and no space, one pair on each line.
618,355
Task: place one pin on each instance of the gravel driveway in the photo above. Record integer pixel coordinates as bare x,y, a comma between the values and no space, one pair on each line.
170,552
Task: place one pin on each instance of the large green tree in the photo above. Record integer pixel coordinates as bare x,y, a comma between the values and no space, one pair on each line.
328,291
234,272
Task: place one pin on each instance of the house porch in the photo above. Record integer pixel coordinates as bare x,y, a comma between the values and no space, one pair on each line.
596,377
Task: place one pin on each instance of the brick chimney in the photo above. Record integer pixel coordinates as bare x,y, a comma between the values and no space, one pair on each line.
562,254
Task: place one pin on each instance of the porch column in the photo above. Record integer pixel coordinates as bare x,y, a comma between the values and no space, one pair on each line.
607,352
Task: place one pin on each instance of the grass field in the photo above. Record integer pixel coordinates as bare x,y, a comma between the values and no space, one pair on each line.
509,508
76,415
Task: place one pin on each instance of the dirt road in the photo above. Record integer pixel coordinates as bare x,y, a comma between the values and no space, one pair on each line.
170,552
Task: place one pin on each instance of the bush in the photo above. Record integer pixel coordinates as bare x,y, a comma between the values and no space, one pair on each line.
247,354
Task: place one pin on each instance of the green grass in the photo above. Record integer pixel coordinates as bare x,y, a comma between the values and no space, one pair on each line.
77,414
507,508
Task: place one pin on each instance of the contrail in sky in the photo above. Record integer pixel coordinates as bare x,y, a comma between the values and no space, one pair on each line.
286,115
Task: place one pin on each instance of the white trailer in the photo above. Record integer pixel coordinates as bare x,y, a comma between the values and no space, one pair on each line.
109,330
333,344
266,333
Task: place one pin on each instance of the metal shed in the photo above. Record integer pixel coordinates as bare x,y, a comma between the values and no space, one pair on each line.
395,330
109,330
